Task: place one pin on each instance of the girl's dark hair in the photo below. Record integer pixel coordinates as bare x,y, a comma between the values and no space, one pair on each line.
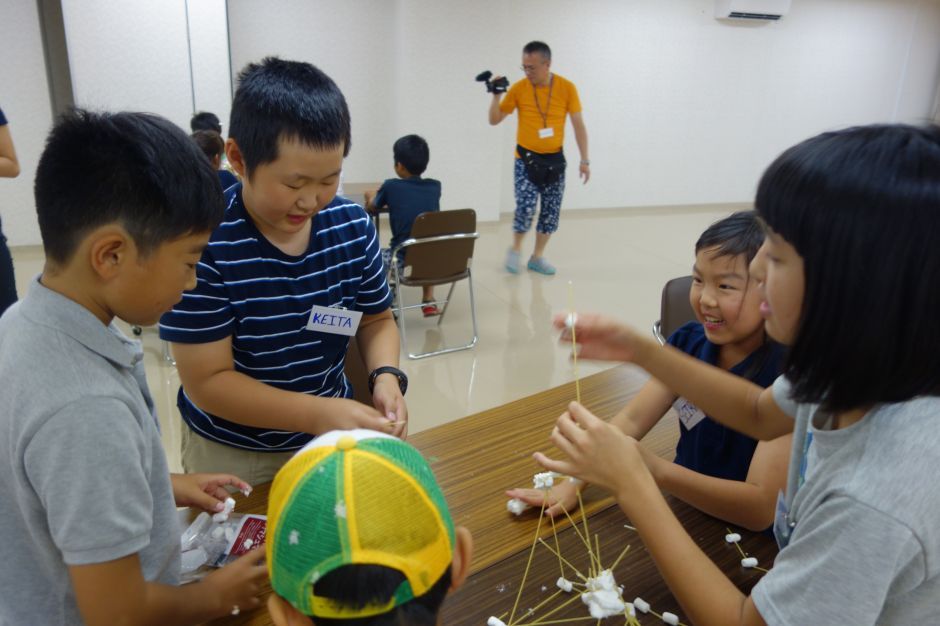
286,100
359,585
135,169
210,142
739,234
862,207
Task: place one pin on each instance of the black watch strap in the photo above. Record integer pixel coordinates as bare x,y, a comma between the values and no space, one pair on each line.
388,369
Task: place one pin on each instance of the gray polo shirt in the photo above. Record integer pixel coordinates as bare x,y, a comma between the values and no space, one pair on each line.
866,545
83,476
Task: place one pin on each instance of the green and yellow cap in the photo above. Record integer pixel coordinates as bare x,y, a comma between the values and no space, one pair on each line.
356,497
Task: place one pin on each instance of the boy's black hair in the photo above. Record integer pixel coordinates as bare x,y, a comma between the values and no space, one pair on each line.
279,100
538,46
210,142
203,120
862,207
740,233
361,585
135,169
413,153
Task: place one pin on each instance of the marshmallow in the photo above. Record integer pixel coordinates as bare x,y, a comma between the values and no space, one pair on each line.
248,543
495,621
603,596
516,506
544,480
218,532
641,605
564,584
749,562
222,516
732,537
570,320
671,618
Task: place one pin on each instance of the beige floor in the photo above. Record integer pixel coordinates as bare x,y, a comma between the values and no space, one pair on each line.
616,260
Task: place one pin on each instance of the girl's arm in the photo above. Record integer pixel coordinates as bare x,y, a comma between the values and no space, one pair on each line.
729,399
749,503
601,454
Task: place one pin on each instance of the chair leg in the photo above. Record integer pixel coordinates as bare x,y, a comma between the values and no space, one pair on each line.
467,346
399,308
440,318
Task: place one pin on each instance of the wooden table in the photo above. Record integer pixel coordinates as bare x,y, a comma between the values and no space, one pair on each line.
478,457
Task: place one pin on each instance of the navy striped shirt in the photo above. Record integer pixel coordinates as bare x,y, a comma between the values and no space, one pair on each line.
250,290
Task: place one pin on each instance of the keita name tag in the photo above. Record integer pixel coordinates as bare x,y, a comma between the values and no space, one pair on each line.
334,321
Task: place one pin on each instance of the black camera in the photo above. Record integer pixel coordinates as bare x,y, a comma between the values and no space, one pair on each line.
500,85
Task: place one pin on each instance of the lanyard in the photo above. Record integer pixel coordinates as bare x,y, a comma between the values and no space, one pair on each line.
544,116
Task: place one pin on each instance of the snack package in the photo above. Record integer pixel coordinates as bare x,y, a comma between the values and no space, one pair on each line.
208,544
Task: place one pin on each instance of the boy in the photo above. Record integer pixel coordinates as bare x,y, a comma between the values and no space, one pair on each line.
337,551
125,205
290,274
406,198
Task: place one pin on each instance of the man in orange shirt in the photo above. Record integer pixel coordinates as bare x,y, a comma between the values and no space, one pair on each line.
543,100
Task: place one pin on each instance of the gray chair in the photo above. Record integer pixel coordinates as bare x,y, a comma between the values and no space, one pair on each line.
439,252
674,309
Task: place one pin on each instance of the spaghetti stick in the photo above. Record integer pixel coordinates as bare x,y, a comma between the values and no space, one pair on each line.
574,342
528,564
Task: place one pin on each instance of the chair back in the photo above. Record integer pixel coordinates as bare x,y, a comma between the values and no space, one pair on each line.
675,308
444,259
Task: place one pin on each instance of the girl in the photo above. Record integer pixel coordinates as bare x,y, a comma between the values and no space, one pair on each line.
716,469
848,278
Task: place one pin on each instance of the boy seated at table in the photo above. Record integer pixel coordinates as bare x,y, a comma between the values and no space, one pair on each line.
717,470
407,197
213,146
125,204
359,534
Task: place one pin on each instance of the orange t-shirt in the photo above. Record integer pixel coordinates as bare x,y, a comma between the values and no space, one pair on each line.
522,96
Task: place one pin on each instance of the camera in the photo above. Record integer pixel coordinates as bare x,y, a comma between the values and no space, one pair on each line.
500,85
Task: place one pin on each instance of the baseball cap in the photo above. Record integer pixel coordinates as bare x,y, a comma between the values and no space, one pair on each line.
356,497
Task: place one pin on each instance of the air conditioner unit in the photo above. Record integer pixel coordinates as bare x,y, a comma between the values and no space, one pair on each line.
751,9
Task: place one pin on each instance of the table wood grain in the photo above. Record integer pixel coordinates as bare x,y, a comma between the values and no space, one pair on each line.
475,459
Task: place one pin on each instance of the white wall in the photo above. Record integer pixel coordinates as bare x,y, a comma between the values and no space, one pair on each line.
680,108
211,72
24,98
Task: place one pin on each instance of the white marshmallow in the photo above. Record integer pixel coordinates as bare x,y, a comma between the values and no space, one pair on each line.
733,538
749,562
641,605
544,480
222,516
248,543
603,596
671,618
516,506
564,584
570,320
218,532
495,621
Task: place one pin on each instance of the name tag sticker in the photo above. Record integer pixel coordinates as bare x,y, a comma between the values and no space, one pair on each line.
334,321
545,133
689,414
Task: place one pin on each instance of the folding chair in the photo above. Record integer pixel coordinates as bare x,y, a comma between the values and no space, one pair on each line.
674,309
439,251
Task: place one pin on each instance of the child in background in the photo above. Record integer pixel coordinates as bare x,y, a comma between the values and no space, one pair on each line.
125,204
407,197
717,470
291,273
211,144
847,276
389,559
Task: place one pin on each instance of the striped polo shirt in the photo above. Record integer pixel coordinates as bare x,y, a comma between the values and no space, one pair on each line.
250,290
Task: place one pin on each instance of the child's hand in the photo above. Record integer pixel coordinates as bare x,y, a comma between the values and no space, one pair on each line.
236,586
598,453
561,497
601,338
387,398
344,414
205,491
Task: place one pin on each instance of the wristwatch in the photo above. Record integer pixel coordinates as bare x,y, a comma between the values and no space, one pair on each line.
388,369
